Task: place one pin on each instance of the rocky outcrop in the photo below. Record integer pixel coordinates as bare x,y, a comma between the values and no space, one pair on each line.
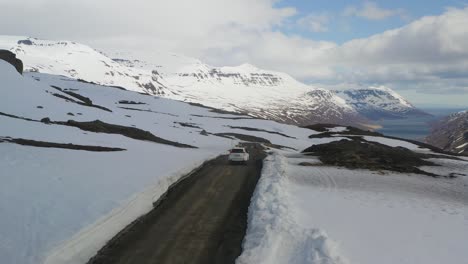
10,57
451,133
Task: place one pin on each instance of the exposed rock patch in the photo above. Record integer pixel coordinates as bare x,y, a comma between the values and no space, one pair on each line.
360,154
43,144
78,99
191,125
349,131
98,126
131,102
10,57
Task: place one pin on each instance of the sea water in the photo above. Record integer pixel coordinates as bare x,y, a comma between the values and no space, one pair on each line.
414,127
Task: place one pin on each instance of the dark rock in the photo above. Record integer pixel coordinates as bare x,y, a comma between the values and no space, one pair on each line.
362,154
307,164
98,126
10,57
25,42
191,125
43,144
130,102
45,120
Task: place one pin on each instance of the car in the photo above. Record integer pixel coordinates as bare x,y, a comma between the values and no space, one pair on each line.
238,155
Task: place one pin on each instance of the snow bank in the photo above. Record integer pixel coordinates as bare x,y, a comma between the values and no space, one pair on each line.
273,236
85,244
377,218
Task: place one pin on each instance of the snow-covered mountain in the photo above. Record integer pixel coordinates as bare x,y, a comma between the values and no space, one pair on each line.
451,133
81,161
62,170
379,102
243,89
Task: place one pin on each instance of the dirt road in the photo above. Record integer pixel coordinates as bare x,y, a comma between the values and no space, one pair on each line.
202,219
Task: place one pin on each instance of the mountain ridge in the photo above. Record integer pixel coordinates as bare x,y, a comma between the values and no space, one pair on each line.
244,89
379,102
450,133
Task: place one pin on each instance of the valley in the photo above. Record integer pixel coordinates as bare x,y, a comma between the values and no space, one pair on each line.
121,161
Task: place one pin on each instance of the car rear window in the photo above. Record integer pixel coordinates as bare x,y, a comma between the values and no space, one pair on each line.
237,151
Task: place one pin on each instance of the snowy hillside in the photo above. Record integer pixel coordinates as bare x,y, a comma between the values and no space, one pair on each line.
78,61
244,89
69,186
69,183
450,133
379,102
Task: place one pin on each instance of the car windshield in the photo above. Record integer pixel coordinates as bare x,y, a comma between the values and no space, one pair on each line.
237,151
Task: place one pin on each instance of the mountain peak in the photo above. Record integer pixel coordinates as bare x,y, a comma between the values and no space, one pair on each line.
248,66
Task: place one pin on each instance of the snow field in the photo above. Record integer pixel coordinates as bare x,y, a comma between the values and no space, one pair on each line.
373,217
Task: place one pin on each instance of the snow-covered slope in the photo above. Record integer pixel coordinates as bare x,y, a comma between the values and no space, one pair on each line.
78,61
66,190
379,102
244,89
60,203
450,133
304,211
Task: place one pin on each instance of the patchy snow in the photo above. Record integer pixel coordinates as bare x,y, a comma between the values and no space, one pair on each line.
337,129
61,206
374,218
325,140
448,167
393,142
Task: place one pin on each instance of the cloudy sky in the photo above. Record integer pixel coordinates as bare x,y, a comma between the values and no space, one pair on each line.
419,48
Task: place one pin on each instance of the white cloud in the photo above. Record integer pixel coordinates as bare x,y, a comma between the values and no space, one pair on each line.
314,22
168,23
429,54
429,45
370,10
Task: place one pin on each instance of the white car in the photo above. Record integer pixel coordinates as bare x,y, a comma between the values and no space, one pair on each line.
238,155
